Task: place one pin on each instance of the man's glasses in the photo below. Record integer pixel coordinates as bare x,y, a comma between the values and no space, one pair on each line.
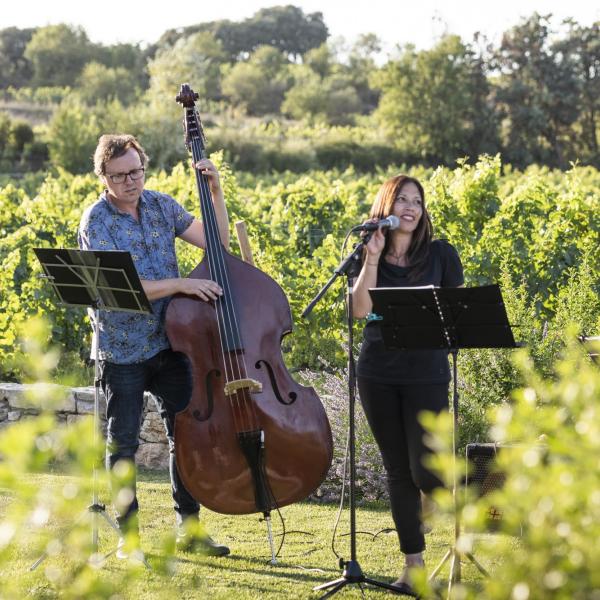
121,177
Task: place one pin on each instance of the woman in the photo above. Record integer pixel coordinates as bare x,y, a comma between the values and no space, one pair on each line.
396,385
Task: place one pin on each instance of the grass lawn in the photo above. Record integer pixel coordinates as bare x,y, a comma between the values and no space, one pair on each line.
306,559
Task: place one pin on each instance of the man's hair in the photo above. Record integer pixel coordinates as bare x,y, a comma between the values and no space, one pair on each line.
113,145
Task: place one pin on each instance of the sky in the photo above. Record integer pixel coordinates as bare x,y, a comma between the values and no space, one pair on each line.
419,22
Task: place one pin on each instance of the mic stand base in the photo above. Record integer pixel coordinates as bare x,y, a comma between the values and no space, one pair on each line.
352,574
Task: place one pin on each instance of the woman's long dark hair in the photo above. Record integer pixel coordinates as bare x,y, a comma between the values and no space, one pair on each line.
418,250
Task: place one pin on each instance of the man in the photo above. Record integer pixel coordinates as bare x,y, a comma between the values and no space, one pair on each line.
135,355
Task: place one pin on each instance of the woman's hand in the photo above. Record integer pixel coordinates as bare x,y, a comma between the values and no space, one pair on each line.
375,245
207,168
205,289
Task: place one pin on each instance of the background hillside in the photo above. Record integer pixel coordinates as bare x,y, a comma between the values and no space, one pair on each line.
278,94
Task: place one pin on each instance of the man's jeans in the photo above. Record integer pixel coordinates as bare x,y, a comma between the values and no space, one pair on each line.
167,376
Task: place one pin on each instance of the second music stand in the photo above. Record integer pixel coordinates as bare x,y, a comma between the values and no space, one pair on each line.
100,280
445,319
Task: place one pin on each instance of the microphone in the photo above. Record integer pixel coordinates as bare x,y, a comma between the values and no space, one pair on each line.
391,222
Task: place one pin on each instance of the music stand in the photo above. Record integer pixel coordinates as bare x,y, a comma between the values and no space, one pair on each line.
101,280
449,319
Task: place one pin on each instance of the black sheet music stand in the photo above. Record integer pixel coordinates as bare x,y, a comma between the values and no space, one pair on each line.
101,280
448,319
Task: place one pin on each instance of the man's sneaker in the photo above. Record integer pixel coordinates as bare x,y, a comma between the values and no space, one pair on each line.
130,551
203,544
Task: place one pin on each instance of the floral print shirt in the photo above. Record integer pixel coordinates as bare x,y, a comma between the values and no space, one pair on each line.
126,337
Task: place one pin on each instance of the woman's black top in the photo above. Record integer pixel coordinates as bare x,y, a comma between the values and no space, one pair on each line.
443,269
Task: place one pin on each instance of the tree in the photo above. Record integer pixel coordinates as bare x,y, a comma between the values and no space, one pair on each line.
331,91
260,83
537,93
21,134
484,136
15,69
196,59
286,28
332,99
18,148
5,126
98,83
428,101
73,134
307,98
321,60
583,45
57,54
127,56
360,69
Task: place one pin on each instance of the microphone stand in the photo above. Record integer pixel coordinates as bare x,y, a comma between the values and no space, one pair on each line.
352,573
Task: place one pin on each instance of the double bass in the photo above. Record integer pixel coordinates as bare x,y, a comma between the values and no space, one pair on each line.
251,439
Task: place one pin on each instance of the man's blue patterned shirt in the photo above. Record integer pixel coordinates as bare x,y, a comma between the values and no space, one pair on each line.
134,337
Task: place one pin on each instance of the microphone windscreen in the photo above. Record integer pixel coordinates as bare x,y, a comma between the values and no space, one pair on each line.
394,221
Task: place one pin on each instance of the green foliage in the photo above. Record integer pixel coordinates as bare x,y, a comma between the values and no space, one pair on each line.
41,95
38,445
19,150
259,84
535,233
550,497
286,28
582,46
75,128
50,219
537,93
98,82
332,99
73,134
195,59
430,101
15,69
57,54
279,146
331,91
534,98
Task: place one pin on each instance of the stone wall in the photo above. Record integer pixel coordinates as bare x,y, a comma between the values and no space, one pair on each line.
79,403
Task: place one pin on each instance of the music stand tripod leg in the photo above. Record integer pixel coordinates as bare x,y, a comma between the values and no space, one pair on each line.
44,554
481,569
95,508
441,564
453,552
